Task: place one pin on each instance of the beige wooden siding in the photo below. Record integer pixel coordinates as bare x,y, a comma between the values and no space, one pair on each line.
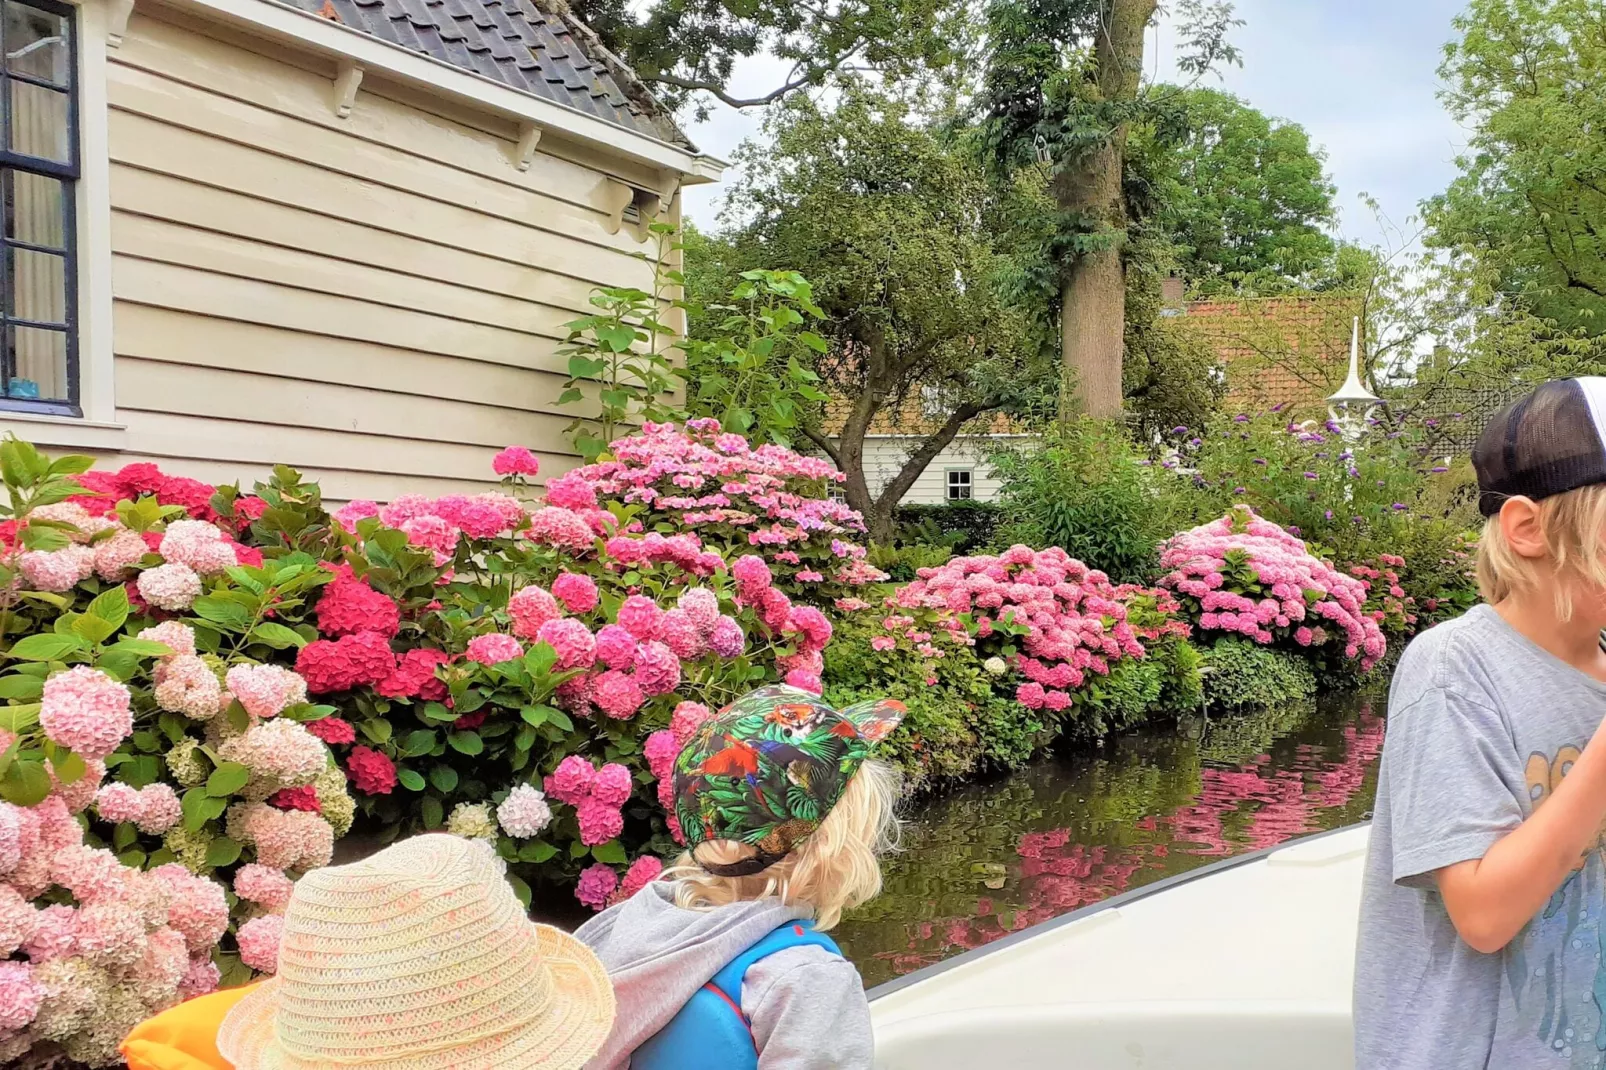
377,300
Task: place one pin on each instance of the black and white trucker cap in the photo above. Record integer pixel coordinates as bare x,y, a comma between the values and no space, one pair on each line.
1550,442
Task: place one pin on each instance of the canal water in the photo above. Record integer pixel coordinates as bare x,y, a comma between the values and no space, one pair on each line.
996,857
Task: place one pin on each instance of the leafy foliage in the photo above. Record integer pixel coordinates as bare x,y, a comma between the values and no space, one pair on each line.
1082,487
1243,674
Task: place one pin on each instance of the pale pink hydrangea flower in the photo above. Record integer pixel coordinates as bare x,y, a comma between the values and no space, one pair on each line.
349,514
268,888
119,553
259,942
177,635
201,979
56,570
281,750
18,920
160,809
197,908
288,839
524,813
172,586
86,711
55,934
198,544
266,690
186,684
118,802
21,996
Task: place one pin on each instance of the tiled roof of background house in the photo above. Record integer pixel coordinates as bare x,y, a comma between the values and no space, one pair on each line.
913,417
1277,350
539,48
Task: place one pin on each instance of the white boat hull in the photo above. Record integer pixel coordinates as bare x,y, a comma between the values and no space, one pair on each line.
1241,966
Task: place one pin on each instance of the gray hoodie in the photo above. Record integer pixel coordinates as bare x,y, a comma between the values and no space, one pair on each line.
806,1005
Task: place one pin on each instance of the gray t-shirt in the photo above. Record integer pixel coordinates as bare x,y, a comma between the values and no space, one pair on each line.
1483,724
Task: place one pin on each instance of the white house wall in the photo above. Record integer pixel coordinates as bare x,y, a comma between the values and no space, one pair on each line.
884,456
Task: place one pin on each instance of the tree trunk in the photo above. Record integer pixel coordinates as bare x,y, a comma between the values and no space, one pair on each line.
1093,295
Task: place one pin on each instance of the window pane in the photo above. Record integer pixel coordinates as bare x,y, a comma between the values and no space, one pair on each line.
38,364
34,211
38,287
39,122
36,43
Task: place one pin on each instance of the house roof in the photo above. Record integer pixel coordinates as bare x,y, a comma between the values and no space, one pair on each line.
539,48
1277,350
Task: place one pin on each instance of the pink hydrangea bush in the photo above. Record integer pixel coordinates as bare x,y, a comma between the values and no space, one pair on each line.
1244,575
734,498
1053,624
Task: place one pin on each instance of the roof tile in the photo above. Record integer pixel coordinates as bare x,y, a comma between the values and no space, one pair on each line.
536,48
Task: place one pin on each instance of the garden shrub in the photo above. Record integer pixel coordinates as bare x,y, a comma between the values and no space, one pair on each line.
1043,623
202,673
1245,675
766,500
903,563
161,789
965,527
956,725
1084,489
1242,575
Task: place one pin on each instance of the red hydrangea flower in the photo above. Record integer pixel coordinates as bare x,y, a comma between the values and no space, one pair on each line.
468,721
415,676
350,606
302,798
333,730
351,661
192,494
371,771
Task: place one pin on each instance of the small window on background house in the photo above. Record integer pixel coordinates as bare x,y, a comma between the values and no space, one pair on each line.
959,489
38,169
834,491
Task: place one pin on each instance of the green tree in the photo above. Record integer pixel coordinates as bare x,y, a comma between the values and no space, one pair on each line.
1528,79
1245,198
887,216
685,50
1063,82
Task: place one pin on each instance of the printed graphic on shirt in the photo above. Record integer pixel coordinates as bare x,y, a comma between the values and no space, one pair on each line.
1554,974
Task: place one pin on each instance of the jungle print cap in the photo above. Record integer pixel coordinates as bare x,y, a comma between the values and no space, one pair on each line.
767,769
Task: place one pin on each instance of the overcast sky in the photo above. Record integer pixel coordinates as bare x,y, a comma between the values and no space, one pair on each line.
1360,75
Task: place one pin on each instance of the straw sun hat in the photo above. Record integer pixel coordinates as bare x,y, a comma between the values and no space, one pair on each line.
420,958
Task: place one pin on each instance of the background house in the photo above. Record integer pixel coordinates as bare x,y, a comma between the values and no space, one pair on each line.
343,235
1290,351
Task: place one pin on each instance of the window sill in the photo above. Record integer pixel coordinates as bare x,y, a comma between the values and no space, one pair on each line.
64,432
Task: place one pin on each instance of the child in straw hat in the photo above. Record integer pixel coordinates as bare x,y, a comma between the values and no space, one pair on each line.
724,962
419,958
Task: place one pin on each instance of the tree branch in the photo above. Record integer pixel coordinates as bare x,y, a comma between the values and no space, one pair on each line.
717,91
921,458
826,446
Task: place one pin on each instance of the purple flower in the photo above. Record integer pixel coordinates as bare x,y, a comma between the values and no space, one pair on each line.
1240,490
1279,408
1439,468
1431,422
1260,460
1194,441
1292,530
1240,419
1399,507
1310,475
1354,473
1329,514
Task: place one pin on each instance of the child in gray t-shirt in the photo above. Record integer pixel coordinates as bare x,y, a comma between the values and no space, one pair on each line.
1481,933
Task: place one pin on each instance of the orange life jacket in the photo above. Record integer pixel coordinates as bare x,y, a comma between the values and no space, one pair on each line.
183,1037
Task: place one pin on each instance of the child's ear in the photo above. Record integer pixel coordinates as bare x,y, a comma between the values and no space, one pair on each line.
1520,524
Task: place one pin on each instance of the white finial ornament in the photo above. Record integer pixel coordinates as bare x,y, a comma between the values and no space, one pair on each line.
1352,404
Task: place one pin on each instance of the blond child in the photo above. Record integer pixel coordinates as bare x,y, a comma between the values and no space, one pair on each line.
723,963
1481,916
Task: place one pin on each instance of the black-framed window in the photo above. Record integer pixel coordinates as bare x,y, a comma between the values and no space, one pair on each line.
38,173
959,488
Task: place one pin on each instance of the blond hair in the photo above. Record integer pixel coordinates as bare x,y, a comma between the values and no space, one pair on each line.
835,869
1574,529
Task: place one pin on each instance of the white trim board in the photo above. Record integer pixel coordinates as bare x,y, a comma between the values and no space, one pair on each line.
339,42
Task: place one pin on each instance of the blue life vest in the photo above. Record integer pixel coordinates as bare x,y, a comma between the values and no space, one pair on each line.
710,1032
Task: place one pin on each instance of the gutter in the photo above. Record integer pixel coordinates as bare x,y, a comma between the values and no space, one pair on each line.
353,47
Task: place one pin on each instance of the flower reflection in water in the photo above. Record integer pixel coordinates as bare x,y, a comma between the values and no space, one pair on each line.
995,858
